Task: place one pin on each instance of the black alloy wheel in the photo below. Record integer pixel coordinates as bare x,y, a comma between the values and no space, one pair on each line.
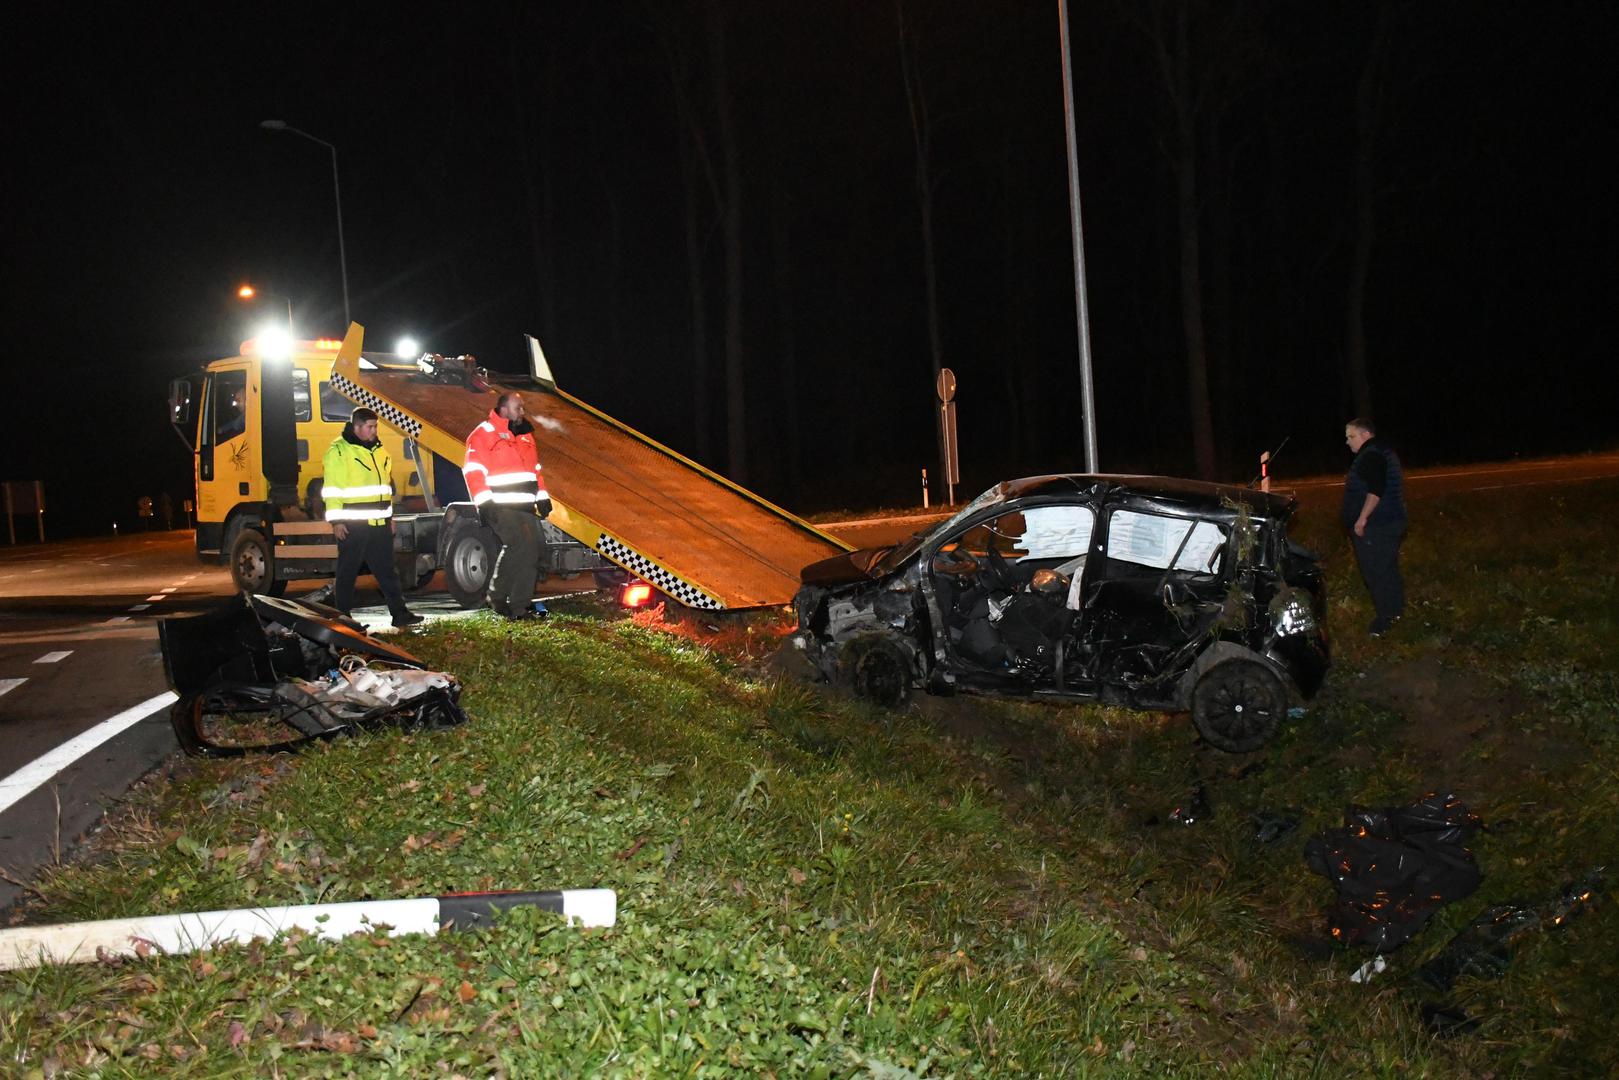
1238,705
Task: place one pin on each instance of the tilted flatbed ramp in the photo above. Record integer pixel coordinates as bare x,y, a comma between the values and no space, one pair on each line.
698,537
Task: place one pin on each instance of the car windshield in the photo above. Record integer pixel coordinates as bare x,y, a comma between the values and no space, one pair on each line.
900,552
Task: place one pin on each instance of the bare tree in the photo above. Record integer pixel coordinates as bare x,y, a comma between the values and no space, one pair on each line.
1369,94
736,419
1206,55
916,99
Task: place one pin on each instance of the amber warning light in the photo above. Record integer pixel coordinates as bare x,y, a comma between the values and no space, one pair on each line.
636,594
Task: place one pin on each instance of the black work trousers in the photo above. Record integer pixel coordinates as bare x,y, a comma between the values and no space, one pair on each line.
511,585
372,545
1378,553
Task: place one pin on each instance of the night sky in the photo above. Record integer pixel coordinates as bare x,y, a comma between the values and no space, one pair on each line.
511,168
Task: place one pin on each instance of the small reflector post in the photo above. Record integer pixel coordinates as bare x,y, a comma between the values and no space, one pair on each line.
635,594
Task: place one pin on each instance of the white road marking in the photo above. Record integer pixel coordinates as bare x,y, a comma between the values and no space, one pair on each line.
54,657
159,596
140,607
171,588
8,685
20,784
115,620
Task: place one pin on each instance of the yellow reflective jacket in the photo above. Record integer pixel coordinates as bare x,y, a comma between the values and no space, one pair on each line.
358,485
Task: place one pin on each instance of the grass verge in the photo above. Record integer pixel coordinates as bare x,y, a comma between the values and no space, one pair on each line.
809,886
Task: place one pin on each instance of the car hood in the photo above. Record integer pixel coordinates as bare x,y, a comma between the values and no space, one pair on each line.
845,569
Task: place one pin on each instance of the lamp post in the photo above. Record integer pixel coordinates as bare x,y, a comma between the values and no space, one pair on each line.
337,194
248,292
1082,313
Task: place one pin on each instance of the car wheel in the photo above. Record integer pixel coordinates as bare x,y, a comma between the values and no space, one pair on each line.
469,559
1238,705
879,672
252,564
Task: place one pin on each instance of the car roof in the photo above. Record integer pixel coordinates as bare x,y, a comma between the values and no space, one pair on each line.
1161,488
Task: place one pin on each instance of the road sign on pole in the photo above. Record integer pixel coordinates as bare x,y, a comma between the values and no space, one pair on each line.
945,387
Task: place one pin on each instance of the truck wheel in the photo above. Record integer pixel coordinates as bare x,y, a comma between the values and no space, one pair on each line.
1237,705
469,559
252,564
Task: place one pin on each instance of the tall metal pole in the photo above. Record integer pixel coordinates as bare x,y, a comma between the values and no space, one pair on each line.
337,194
1082,313
342,251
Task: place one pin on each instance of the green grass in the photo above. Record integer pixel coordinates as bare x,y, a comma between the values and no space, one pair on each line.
808,886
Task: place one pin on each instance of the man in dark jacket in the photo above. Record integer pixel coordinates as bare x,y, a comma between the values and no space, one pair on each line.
1374,514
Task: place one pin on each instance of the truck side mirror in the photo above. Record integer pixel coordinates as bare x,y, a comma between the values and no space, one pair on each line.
180,401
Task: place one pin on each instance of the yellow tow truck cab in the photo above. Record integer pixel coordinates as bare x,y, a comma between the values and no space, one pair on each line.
242,471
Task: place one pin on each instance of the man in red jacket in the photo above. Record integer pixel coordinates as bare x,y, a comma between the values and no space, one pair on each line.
503,477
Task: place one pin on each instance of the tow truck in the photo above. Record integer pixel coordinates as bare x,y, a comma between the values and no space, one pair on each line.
634,513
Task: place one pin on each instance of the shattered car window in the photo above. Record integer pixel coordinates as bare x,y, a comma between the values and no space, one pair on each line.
1152,540
910,547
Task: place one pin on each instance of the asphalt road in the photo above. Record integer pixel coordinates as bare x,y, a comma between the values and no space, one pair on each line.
80,662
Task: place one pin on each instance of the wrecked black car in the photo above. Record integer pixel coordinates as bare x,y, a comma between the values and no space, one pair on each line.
1150,592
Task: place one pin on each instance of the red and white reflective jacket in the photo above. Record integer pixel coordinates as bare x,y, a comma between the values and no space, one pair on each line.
502,468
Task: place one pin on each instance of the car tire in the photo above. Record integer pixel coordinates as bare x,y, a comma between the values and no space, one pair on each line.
1238,705
252,564
469,559
878,671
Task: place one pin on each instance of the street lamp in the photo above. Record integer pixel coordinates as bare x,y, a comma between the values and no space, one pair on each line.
248,292
337,194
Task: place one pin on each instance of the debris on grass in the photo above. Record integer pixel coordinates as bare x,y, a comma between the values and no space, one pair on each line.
1394,867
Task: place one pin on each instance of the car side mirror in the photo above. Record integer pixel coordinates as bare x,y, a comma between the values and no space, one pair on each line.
180,401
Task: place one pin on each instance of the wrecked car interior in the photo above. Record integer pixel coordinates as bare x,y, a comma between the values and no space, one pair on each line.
1149,592
263,674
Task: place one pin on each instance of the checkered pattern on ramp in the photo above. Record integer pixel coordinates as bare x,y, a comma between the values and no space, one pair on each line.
640,565
391,415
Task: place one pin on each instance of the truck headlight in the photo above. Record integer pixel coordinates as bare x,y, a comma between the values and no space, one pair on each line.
1294,617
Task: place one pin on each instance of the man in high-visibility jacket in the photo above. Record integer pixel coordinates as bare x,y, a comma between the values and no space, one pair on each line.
503,477
358,492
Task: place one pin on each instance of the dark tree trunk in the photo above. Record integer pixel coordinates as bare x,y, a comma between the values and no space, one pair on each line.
922,143
1191,277
1368,92
787,343
736,418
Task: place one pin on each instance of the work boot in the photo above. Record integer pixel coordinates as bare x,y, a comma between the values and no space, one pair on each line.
409,618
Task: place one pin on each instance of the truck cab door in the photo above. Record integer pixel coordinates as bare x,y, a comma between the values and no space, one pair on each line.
223,458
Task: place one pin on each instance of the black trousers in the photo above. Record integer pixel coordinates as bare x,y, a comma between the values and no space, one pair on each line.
511,585
1378,553
372,545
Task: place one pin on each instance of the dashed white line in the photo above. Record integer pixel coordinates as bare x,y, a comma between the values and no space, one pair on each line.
159,596
172,588
140,607
54,657
8,685
115,620
20,784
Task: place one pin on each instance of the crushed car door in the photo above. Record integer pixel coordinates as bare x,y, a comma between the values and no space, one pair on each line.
1156,593
1006,588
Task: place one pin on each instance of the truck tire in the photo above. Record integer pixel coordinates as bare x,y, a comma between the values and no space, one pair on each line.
469,559
1238,704
252,564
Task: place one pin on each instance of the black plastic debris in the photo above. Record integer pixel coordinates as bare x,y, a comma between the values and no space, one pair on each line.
1483,948
1394,867
266,675
1446,1020
1269,828
1196,807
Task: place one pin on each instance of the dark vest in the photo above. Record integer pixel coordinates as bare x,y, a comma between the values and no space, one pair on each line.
1390,510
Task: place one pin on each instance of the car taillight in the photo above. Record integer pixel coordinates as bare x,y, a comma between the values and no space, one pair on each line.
635,594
